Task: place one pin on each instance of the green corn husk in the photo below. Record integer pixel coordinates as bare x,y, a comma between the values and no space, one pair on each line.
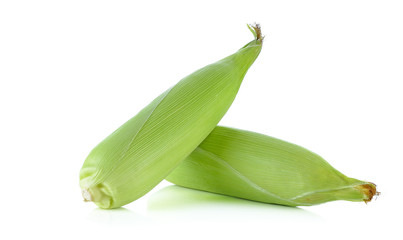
261,168
144,150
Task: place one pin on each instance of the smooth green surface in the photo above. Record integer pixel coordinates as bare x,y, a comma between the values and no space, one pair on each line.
144,150
261,168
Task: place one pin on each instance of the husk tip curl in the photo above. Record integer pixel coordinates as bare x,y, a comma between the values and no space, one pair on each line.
256,31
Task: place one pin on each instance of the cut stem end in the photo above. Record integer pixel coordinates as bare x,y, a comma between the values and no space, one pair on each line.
86,195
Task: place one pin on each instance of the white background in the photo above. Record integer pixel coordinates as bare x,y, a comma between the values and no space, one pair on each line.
329,78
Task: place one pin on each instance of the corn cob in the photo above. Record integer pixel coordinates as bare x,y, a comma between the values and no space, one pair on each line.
261,168
144,150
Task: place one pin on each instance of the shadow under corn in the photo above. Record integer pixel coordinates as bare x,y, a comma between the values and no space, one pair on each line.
119,216
187,204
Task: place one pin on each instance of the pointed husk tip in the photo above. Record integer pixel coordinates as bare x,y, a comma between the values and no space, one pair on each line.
256,31
368,190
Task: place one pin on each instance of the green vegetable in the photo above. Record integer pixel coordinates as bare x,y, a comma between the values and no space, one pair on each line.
261,168
144,150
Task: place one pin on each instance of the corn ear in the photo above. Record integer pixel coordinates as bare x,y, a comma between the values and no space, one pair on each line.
144,150
261,168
